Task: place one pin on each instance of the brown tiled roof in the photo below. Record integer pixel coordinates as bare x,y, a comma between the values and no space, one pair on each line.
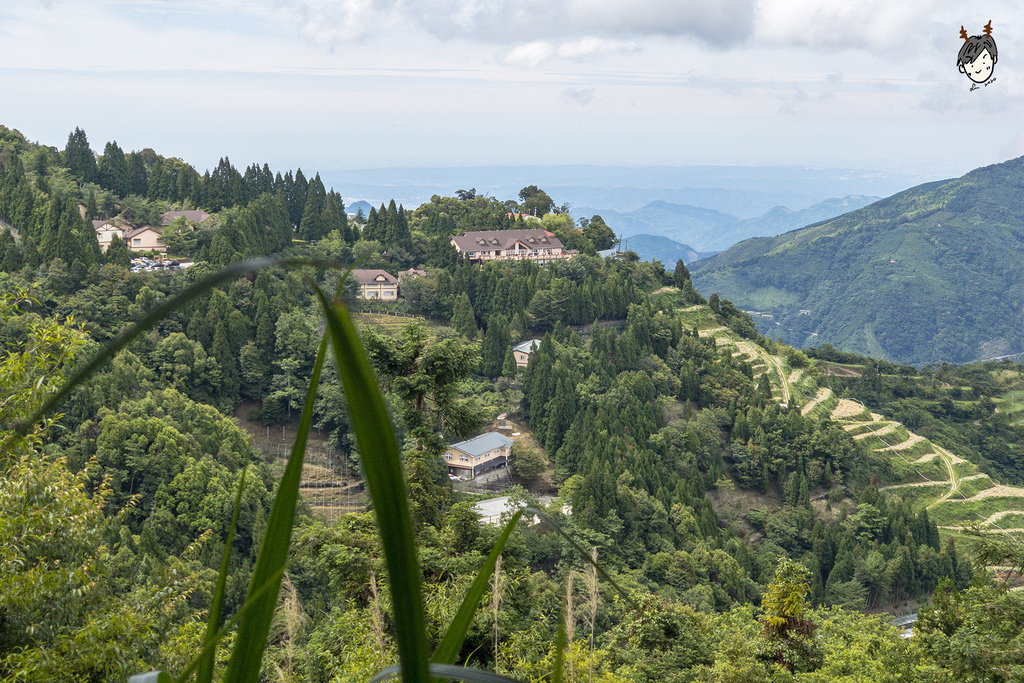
141,230
411,273
369,277
97,224
192,215
488,240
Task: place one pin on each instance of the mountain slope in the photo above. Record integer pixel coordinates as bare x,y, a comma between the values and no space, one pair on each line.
906,465
931,274
658,248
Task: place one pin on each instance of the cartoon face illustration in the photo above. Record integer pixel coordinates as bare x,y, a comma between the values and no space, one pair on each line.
980,70
978,55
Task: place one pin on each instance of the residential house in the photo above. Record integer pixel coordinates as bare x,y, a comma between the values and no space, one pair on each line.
522,352
412,272
193,215
146,238
511,245
376,284
483,453
108,231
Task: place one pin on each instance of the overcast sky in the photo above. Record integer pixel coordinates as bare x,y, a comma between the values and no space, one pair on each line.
371,83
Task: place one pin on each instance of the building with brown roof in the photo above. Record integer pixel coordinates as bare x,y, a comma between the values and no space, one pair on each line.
146,238
412,272
376,284
194,215
108,231
511,245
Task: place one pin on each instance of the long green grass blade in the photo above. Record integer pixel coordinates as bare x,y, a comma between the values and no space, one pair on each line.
161,311
560,642
206,662
383,470
250,602
448,650
247,656
449,672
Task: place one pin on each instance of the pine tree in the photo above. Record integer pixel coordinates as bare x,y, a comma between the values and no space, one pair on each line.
90,206
463,318
508,368
113,170
311,225
10,254
118,254
78,157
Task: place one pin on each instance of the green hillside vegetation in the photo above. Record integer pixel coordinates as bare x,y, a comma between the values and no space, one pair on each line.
728,484
929,275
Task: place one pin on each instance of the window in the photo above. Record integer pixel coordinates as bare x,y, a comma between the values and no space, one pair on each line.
447,456
137,241
464,458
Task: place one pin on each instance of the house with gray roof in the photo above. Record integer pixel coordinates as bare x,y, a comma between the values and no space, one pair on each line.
521,352
194,215
511,245
483,453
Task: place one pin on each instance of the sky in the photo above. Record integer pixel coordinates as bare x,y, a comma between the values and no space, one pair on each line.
349,84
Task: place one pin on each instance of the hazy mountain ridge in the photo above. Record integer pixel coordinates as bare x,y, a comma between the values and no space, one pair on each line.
710,230
934,273
658,248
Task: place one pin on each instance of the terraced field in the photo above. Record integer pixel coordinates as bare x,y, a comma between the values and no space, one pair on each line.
952,489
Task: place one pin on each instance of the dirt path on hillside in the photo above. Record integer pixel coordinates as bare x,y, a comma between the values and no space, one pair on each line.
887,429
822,395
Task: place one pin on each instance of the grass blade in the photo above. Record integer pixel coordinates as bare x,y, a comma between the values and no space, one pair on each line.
247,656
206,662
560,641
383,470
451,644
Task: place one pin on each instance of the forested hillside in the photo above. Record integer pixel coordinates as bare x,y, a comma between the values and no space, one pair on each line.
745,523
929,275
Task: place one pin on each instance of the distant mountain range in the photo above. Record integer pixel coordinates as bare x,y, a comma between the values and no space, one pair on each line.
934,273
658,248
740,191
710,230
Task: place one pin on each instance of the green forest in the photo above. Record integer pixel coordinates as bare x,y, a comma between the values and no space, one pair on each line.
930,275
708,521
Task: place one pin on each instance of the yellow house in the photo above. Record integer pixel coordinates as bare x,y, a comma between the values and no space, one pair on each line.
467,459
106,232
376,284
522,352
146,238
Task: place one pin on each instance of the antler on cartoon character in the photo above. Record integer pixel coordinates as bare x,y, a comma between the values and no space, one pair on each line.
963,32
988,28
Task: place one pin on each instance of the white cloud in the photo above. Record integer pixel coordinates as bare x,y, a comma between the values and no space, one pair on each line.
537,52
581,96
888,25
529,54
724,22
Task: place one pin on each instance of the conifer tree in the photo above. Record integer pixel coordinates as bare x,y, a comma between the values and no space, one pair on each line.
78,157
10,254
463,318
113,170
508,367
118,254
